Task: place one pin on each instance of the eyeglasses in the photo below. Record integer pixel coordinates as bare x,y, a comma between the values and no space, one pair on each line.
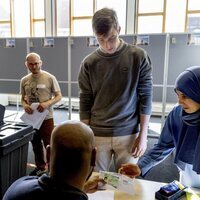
33,64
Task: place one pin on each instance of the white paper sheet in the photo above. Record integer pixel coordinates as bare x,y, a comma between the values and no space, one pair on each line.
102,195
116,181
36,118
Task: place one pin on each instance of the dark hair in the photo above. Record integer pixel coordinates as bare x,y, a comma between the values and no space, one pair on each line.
103,20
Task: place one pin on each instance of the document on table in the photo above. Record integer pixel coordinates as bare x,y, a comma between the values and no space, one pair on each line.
116,181
101,195
36,118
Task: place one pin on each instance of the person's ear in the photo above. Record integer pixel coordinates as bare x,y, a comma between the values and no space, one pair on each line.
40,63
119,29
93,157
48,154
26,64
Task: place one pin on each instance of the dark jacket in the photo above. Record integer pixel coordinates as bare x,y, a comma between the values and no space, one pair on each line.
34,188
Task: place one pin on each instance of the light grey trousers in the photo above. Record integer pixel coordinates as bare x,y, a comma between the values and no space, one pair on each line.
116,149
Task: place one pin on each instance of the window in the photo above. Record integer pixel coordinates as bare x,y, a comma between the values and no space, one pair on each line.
150,6
37,18
62,17
15,23
193,16
150,17
21,29
175,18
193,5
193,23
5,20
157,16
150,24
81,15
82,12
73,17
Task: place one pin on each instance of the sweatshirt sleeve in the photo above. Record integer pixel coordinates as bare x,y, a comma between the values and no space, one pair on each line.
85,95
145,85
161,150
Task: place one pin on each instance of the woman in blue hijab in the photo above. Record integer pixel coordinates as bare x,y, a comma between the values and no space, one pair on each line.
181,133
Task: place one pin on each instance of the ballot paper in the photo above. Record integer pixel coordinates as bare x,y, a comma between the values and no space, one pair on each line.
101,195
116,181
36,118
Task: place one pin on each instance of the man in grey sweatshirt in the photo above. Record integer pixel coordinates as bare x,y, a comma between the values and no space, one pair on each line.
115,84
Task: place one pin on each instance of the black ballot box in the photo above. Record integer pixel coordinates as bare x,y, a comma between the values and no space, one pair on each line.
14,141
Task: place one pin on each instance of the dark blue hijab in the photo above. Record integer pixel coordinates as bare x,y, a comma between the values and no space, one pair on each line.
188,146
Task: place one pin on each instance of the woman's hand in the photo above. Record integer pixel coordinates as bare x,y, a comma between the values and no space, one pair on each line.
131,170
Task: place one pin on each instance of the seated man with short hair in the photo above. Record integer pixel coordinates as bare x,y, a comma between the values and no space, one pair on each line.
71,159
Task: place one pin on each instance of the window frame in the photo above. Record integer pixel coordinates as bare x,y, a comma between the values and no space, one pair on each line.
34,20
146,14
74,18
9,22
188,12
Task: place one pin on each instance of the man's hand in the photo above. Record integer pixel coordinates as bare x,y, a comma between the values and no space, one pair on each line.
131,170
91,185
139,146
28,109
42,106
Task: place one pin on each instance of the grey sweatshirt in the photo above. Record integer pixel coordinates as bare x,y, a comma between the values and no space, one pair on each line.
115,89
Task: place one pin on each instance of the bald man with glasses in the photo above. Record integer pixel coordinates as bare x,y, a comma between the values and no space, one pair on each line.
39,87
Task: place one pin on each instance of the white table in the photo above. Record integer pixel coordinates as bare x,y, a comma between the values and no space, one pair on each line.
143,190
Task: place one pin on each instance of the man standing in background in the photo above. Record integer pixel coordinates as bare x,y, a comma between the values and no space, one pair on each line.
39,87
